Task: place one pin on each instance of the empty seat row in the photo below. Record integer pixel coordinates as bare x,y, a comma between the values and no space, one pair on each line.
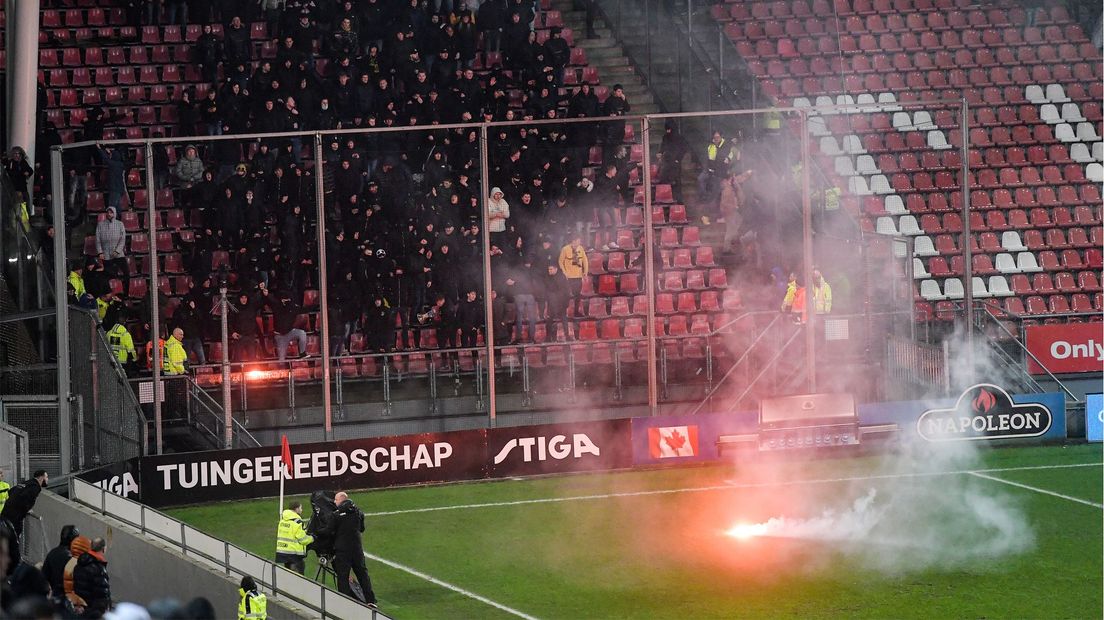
95,56
777,46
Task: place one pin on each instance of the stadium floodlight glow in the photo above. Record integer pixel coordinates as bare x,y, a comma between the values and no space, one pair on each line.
746,531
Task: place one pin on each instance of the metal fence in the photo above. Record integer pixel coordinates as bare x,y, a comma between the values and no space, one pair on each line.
14,454
660,283
223,556
38,417
111,424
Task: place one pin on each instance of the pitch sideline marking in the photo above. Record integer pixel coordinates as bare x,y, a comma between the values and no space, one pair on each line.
1037,490
449,586
730,485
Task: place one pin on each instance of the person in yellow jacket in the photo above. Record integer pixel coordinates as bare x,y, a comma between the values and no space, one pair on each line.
292,539
574,265
174,355
122,344
5,486
822,294
76,281
254,604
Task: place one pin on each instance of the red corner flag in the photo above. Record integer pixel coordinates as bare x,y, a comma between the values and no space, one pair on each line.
285,455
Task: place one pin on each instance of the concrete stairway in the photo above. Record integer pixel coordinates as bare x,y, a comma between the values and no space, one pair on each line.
607,56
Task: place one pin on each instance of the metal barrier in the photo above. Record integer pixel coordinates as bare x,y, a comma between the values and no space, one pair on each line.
221,555
113,426
14,454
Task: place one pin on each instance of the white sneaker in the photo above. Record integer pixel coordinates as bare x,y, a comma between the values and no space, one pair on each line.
614,246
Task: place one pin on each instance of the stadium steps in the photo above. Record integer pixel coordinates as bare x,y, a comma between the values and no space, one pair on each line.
604,53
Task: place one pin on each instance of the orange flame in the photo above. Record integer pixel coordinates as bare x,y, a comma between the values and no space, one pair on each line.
984,401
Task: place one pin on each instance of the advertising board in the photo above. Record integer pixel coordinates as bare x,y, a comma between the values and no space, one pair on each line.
196,477
1094,417
558,448
1067,348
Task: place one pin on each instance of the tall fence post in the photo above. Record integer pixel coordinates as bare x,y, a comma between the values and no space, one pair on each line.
323,286
649,268
155,309
65,419
488,307
228,415
807,252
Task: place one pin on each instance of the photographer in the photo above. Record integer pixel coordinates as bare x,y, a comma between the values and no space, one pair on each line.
321,525
349,548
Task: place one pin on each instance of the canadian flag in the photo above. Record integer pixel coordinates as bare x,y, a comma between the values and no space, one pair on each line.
666,442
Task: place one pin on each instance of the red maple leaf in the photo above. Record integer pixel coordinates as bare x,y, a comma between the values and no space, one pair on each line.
675,440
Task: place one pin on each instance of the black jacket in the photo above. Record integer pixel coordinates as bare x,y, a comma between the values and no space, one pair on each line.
54,568
90,580
21,499
348,526
321,525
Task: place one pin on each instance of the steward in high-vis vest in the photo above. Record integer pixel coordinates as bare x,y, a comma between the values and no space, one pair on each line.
292,539
122,344
173,355
254,604
4,488
149,352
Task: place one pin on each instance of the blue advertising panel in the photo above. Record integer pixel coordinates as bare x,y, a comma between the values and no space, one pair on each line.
1094,417
983,412
686,438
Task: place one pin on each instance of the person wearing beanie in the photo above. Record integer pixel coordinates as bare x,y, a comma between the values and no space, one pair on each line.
77,548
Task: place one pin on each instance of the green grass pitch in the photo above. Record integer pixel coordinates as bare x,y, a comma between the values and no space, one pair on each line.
650,544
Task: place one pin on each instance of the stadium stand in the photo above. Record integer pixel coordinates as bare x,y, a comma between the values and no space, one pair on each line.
108,73
1034,92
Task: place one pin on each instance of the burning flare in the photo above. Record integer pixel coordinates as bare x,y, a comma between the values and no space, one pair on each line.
744,531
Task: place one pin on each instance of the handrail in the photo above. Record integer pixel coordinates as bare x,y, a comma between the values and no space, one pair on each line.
1024,348
214,409
125,509
736,364
766,366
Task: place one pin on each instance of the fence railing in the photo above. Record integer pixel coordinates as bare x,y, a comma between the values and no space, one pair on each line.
223,556
113,424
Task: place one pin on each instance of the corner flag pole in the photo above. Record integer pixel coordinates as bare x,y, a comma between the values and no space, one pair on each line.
285,468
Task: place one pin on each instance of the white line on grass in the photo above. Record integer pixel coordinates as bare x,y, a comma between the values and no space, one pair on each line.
443,584
728,486
1037,490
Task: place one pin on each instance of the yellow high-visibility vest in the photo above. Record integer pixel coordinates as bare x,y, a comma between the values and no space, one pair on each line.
291,538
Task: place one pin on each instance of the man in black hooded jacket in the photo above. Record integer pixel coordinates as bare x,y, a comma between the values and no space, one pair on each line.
348,547
321,524
54,565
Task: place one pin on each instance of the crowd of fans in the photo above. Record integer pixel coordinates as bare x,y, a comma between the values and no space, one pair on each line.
402,216
72,581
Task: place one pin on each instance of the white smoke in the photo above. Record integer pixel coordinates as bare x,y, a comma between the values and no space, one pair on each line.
915,515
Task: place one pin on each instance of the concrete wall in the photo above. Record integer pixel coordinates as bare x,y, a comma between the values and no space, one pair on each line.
143,569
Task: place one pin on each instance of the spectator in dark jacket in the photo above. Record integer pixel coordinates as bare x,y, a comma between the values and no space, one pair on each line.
90,580
54,564
348,547
243,330
22,498
208,54
285,310
238,48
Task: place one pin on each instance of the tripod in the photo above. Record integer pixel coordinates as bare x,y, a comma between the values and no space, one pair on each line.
325,570
326,573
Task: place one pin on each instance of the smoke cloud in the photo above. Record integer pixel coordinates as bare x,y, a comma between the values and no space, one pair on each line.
911,518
